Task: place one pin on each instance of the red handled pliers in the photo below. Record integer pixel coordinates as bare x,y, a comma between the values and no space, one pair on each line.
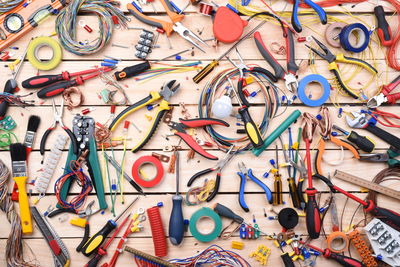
194,123
385,95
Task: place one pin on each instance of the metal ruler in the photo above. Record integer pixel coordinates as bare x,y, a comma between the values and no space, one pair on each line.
367,184
59,250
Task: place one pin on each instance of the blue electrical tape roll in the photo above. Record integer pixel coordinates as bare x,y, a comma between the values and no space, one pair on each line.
301,90
362,37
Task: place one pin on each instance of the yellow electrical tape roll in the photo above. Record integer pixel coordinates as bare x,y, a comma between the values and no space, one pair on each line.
38,43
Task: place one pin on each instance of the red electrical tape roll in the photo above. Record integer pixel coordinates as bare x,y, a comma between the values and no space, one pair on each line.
147,160
157,232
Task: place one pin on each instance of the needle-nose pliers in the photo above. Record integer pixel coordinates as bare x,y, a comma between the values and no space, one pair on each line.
243,174
220,165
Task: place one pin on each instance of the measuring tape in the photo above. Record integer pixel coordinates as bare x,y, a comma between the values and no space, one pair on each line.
147,160
362,35
313,78
19,21
367,184
337,242
33,50
205,213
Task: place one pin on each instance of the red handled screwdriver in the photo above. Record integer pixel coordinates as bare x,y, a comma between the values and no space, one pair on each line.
383,28
44,80
59,87
341,259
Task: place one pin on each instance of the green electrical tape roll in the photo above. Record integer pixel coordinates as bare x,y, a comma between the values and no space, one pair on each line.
278,131
205,213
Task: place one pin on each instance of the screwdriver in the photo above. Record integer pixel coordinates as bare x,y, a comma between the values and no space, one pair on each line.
11,86
387,216
384,31
211,66
176,222
96,240
341,259
277,196
59,87
363,142
44,80
252,131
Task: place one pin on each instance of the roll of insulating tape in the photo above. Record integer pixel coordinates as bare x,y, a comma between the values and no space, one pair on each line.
332,33
314,78
361,34
337,242
205,213
139,163
33,49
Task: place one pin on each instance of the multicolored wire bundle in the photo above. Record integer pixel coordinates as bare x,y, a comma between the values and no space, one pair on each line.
83,181
16,99
8,5
66,24
14,250
213,256
220,82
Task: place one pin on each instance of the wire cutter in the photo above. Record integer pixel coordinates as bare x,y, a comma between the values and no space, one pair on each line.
361,121
333,66
194,123
166,92
168,27
243,174
218,168
57,115
388,157
288,76
295,14
385,95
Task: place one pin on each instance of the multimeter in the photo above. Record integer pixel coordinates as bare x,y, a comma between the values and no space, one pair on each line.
23,18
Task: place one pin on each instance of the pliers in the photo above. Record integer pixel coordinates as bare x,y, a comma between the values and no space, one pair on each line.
166,92
193,123
295,14
86,213
361,121
388,157
333,66
288,76
385,95
218,168
243,174
168,27
57,115
302,169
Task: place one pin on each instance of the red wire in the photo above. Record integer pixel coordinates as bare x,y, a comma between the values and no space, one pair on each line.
385,116
157,231
392,51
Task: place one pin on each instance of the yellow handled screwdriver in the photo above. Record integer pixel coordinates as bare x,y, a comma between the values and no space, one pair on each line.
96,240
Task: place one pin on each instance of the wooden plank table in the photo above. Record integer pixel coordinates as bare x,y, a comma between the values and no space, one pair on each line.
189,95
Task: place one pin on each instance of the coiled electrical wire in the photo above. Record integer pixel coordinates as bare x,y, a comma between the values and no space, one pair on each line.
221,82
67,21
6,6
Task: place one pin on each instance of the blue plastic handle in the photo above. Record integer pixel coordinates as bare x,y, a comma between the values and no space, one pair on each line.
242,202
268,192
295,16
320,11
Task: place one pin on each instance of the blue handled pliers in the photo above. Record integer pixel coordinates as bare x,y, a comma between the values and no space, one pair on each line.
295,16
243,174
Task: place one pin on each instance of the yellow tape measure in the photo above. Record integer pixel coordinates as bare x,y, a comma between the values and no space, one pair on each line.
38,43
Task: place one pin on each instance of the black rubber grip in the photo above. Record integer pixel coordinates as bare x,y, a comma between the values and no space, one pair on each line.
41,81
313,219
10,87
384,31
132,71
249,124
266,72
362,142
55,89
287,260
385,136
388,216
84,239
216,188
226,212
198,174
94,261
291,57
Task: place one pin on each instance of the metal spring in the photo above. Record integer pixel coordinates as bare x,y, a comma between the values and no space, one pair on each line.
42,182
148,258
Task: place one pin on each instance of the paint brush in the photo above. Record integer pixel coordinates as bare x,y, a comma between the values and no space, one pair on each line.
33,125
19,171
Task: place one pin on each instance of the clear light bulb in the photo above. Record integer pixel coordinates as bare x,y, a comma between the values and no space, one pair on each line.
222,107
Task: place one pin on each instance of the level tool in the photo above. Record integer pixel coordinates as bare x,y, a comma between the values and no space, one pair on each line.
367,184
22,19
58,249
